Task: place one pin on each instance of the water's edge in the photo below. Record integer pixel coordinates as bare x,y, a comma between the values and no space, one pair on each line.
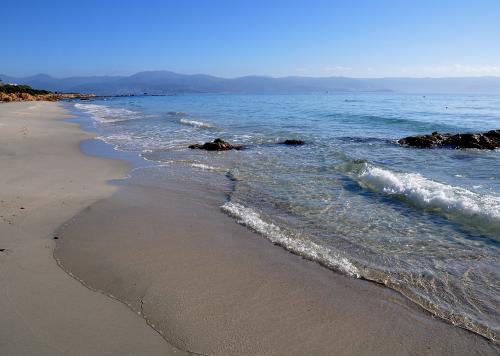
252,220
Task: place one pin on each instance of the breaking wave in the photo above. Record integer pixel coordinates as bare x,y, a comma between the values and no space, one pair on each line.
296,244
479,210
197,124
108,114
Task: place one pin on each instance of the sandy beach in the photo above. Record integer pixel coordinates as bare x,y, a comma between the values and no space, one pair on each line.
44,181
183,276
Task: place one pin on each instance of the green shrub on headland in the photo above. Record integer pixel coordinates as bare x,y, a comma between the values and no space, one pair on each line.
18,89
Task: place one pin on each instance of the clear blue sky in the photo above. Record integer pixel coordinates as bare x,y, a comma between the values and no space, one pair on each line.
232,38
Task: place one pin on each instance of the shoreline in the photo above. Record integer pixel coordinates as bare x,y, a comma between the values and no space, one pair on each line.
90,235
46,180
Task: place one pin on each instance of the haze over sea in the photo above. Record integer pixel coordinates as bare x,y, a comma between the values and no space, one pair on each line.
423,222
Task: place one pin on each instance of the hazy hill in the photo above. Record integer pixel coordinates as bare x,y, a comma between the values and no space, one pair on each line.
161,82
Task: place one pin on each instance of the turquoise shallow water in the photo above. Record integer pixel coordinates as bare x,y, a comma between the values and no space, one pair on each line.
424,222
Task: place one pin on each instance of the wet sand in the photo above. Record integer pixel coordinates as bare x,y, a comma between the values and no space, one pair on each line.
211,286
44,181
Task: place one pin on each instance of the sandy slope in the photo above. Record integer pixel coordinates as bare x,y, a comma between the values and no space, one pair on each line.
44,181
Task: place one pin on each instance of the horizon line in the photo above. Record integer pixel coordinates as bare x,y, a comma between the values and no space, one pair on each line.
250,75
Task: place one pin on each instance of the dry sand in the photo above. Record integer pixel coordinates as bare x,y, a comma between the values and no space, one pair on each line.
212,286
44,181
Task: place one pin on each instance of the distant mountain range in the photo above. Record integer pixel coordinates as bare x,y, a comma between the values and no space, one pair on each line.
165,82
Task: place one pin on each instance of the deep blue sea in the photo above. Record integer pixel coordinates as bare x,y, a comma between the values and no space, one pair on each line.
423,222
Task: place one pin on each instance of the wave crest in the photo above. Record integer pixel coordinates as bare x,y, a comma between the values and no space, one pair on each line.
296,244
107,114
197,124
480,210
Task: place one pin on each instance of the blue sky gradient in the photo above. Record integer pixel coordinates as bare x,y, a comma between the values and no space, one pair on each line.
234,38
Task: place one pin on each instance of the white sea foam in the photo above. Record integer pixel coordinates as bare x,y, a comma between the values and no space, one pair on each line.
106,114
116,140
295,244
194,123
431,194
202,166
117,137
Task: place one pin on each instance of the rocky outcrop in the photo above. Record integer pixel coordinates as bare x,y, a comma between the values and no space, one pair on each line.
8,97
293,142
217,145
484,141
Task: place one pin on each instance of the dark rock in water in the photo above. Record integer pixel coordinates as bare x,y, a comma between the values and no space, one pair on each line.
483,141
293,142
217,145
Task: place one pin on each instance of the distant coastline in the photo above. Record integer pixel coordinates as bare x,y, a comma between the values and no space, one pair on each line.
166,82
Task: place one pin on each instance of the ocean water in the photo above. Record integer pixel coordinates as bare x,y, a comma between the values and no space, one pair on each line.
423,222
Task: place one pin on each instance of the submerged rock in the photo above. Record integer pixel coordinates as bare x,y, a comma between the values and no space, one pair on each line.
293,142
484,141
217,145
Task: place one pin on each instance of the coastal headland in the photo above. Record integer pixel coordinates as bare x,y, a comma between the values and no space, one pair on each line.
14,92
